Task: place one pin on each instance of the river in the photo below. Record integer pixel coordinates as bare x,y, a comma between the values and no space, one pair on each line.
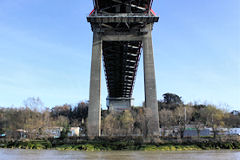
18,154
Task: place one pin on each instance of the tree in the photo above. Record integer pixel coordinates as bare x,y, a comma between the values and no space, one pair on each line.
213,118
34,104
165,120
170,101
197,121
64,132
127,122
62,121
61,110
139,120
183,116
170,98
35,119
79,113
111,124
232,121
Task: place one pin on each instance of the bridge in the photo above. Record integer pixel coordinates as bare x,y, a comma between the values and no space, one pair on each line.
121,30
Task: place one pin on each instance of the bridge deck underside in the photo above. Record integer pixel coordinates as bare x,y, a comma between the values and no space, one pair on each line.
121,60
122,6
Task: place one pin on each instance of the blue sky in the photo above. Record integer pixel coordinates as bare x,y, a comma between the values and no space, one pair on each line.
45,51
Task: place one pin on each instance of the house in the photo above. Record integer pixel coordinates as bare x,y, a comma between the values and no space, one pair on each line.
222,131
235,112
74,131
21,133
193,132
54,132
234,131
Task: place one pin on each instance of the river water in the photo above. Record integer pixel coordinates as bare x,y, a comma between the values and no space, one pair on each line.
17,154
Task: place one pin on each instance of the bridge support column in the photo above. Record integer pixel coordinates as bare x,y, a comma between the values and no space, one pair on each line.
94,109
152,117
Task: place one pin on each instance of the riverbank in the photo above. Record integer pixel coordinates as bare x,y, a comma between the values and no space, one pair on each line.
124,145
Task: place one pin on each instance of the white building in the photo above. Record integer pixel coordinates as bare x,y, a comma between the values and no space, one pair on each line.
234,131
74,131
235,113
54,132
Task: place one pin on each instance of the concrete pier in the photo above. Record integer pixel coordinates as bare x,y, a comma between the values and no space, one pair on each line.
94,110
120,31
94,113
119,104
152,116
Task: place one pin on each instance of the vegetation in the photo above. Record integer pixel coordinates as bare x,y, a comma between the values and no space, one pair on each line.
174,118
173,112
107,144
34,119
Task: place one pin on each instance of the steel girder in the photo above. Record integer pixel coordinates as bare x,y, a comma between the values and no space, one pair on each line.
121,60
122,6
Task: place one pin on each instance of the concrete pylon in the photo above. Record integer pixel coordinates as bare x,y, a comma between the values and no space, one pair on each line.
152,117
94,109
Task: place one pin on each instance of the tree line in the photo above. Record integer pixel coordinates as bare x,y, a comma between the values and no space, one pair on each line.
34,118
174,115
173,112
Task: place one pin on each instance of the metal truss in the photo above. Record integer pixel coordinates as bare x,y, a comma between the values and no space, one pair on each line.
122,6
121,60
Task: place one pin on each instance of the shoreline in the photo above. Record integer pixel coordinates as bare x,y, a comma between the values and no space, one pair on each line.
131,145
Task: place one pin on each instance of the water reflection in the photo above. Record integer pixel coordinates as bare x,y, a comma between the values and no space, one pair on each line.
14,154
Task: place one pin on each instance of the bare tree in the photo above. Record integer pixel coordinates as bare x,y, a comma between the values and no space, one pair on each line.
127,122
182,116
213,118
165,120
